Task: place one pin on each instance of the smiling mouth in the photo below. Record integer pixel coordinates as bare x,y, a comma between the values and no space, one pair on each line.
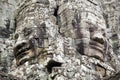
22,55
96,45
97,50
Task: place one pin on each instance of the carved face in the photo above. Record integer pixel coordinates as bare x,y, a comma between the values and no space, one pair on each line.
87,30
28,40
91,41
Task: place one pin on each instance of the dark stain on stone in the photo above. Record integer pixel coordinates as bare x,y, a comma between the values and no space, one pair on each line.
52,64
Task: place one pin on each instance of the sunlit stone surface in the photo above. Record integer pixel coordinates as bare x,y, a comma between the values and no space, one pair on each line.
62,40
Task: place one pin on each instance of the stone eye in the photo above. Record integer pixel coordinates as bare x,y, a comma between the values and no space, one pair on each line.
27,32
16,36
104,34
91,29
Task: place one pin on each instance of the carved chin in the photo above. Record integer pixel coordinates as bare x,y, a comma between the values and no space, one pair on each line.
27,55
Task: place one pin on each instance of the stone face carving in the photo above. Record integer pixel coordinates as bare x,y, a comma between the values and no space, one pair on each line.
30,36
62,36
83,27
88,33
28,41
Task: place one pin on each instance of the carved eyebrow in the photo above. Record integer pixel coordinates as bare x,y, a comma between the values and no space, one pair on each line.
91,29
27,31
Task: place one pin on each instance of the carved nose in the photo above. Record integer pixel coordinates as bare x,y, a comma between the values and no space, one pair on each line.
98,37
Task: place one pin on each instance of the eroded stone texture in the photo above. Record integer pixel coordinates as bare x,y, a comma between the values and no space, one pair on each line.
111,10
7,8
112,15
5,76
62,40
87,32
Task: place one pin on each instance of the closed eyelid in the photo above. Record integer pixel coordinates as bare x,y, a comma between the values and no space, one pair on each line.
27,32
16,36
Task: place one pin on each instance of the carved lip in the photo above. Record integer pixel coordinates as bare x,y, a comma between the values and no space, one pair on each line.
22,60
22,51
22,55
97,46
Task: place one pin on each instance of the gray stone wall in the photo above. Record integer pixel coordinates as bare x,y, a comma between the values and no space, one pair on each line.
60,39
